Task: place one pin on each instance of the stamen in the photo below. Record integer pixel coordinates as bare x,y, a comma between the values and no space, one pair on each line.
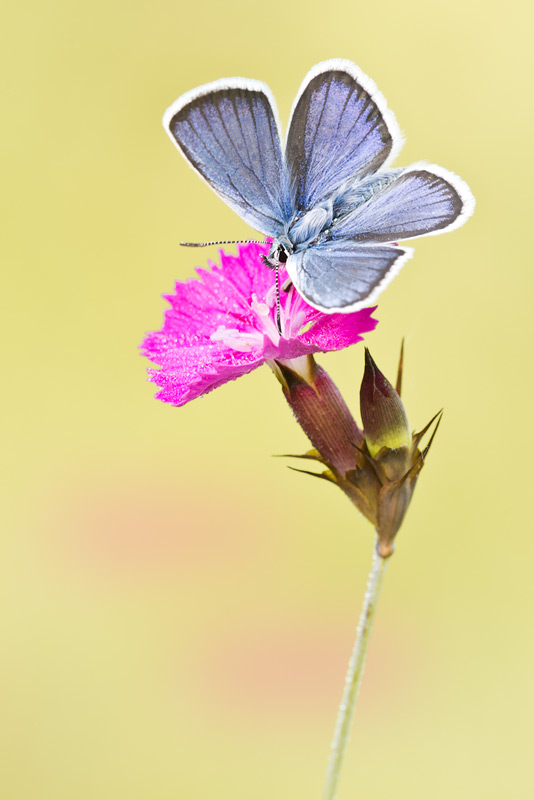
263,312
242,341
262,309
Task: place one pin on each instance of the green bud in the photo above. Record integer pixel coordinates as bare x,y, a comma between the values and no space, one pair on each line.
385,423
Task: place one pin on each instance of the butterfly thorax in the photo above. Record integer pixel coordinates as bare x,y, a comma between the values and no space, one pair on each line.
302,232
305,230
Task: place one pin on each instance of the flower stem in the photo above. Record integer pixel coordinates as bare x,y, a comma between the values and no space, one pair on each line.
354,675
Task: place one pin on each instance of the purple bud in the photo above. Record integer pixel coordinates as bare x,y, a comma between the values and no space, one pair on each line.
321,412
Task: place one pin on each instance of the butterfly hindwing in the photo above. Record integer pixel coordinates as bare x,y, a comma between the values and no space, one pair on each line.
417,202
228,131
344,276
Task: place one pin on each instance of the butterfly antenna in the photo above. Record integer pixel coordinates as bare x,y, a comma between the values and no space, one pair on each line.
226,241
277,284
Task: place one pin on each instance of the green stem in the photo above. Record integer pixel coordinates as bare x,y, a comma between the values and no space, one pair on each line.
354,676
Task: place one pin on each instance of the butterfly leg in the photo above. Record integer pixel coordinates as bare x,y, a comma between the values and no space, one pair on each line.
278,320
272,264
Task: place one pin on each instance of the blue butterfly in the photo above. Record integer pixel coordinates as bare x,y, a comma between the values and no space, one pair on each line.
332,204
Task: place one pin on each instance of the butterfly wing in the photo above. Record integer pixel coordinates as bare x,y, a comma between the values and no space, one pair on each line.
229,133
340,128
418,201
344,276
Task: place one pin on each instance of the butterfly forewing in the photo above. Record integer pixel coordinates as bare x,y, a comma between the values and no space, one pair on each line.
340,128
417,202
229,134
344,276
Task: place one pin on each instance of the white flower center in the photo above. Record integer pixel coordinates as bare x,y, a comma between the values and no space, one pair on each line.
253,337
242,341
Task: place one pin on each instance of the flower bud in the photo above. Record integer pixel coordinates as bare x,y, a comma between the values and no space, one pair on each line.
321,412
385,423
378,469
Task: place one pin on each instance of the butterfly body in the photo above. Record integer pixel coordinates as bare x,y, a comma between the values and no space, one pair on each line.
328,199
318,225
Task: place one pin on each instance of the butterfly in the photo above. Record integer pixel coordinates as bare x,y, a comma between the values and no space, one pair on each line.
329,199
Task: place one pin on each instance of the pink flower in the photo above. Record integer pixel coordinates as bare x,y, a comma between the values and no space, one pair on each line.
223,325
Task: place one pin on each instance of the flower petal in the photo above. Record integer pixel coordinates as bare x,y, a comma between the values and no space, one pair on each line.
189,372
336,331
222,325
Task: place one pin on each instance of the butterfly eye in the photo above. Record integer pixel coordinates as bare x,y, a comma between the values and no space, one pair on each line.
282,254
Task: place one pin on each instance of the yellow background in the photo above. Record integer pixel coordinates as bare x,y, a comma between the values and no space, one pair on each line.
177,608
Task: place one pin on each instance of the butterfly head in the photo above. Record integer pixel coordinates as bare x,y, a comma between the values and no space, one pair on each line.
280,251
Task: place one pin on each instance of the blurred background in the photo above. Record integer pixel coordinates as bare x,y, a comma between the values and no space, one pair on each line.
178,608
